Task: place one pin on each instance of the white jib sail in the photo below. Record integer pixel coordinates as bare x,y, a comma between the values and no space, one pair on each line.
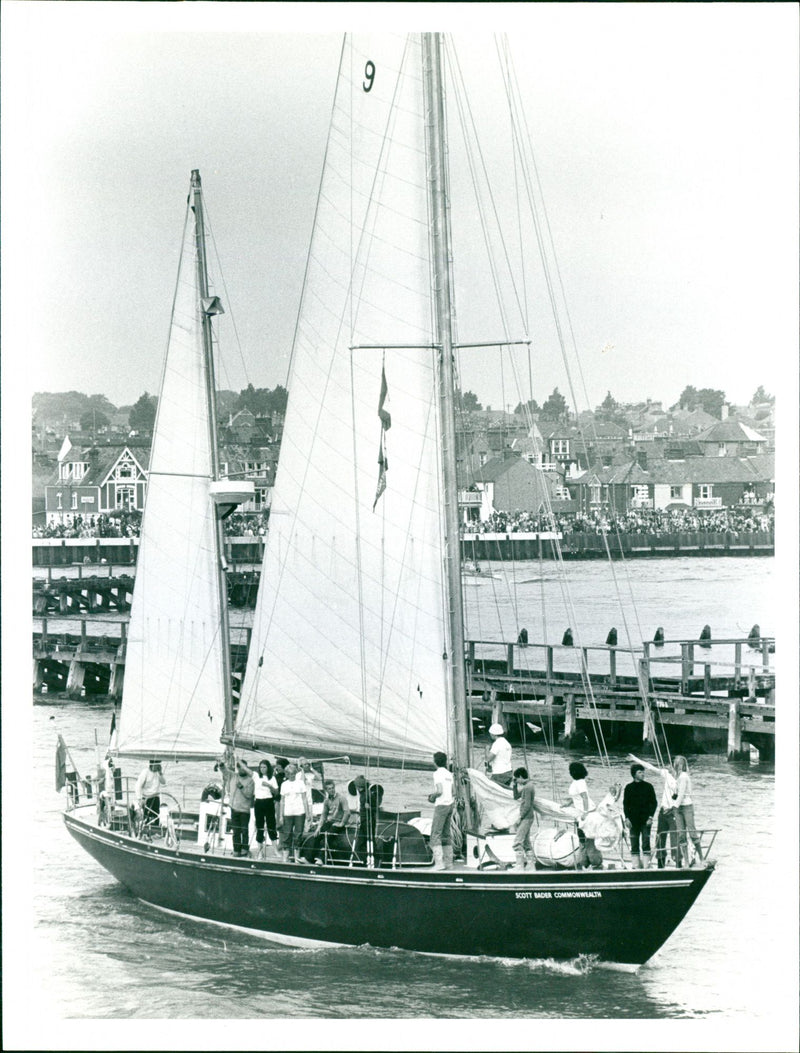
173,693
349,636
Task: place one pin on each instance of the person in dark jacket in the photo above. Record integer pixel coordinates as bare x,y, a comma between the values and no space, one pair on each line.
369,797
639,805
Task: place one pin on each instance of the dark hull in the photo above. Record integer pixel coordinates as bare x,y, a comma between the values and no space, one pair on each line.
620,916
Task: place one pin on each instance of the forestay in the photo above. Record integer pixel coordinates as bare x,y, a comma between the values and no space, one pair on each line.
349,636
173,694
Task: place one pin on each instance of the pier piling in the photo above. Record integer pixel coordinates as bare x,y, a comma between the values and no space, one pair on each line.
75,677
736,749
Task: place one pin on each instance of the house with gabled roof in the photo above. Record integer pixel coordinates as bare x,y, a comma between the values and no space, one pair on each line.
569,447
253,462
731,438
696,482
98,480
691,422
510,483
482,435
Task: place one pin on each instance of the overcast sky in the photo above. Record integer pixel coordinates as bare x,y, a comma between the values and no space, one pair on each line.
667,145
665,137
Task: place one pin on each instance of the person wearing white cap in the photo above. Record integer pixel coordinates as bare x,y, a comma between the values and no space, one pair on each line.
498,756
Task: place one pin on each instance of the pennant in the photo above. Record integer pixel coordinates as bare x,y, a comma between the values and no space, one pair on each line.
61,764
385,416
386,423
383,464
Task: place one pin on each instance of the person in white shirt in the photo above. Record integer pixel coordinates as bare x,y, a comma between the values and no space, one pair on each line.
667,823
582,806
442,798
266,789
498,757
312,778
684,811
148,787
293,811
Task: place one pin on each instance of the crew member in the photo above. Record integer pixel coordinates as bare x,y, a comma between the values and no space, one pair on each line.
332,820
242,799
442,798
148,787
498,756
369,802
639,805
523,790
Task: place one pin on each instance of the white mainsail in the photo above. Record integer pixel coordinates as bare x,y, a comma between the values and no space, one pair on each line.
174,689
349,645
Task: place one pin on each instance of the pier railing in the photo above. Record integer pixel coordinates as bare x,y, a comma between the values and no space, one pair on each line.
721,685
249,551
623,668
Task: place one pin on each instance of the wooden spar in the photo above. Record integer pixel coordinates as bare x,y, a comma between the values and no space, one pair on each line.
441,251
206,312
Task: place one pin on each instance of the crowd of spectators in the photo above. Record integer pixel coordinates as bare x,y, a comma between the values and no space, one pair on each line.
651,521
246,524
120,524
128,524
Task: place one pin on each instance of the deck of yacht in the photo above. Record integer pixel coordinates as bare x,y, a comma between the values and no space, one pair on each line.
495,852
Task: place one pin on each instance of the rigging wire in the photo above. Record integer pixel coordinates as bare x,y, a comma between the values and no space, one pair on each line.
546,241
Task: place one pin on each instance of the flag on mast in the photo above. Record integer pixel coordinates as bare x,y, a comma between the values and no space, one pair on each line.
386,423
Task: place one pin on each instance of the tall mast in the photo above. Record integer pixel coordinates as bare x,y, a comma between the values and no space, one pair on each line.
440,234
209,307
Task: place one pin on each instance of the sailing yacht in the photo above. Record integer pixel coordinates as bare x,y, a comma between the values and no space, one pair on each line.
357,649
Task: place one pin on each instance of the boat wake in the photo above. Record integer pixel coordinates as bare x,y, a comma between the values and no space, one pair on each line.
582,965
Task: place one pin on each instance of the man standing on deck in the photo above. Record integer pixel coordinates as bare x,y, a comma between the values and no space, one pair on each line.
242,800
523,790
294,810
498,756
148,791
442,798
639,805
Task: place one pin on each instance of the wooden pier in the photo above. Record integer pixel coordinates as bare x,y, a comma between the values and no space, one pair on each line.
87,592
697,702
704,695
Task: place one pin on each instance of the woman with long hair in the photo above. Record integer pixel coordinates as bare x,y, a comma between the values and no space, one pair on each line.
582,806
684,812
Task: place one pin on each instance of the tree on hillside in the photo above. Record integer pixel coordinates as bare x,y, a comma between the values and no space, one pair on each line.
142,416
708,399
60,407
610,412
555,407
93,420
276,399
262,402
688,398
468,402
530,407
761,396
250,398
102,405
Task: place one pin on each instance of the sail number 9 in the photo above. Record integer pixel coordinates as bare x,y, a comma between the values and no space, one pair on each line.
369,73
